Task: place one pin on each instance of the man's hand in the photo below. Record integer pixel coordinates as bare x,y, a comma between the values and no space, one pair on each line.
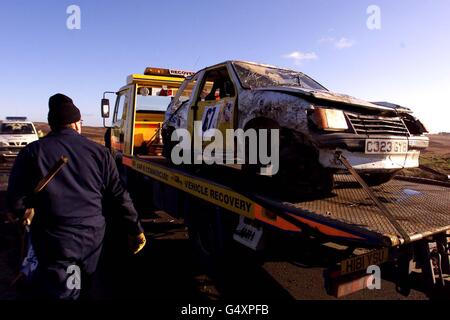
136,243
28,217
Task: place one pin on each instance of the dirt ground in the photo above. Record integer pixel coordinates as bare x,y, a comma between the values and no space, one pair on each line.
439,144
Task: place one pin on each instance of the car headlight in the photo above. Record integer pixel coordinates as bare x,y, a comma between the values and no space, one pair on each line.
329,119
3,144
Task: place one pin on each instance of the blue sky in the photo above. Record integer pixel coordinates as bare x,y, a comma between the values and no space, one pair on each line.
407,61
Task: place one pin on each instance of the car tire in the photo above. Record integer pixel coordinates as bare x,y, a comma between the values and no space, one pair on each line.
301,171
377,178
254,169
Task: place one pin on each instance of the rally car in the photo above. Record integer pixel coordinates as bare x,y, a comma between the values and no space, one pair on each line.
378,138
15,133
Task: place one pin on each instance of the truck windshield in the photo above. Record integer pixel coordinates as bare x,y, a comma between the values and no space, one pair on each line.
152,103
16,128
254,76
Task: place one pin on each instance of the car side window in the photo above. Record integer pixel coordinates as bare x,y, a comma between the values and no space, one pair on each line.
217,85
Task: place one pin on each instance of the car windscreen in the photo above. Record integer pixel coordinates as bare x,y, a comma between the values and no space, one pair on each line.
254,76
16,128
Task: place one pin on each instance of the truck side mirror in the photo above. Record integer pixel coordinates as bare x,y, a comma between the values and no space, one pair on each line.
105,108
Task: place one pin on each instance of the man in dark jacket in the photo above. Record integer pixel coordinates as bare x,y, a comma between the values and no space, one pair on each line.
69,224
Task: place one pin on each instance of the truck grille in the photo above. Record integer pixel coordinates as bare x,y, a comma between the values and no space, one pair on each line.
367,124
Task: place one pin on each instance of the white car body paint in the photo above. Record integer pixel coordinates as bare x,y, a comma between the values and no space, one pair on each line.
11,144
370,162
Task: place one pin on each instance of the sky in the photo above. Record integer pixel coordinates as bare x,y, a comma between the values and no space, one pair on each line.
404,57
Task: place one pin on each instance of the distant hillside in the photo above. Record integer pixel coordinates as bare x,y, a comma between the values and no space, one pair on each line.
94,133
439,144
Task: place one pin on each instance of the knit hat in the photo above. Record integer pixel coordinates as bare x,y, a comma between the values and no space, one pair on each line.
62,111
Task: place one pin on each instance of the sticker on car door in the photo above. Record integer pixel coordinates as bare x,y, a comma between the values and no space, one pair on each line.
210,116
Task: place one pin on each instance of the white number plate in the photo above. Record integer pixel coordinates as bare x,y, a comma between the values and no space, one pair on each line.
248,235
379,146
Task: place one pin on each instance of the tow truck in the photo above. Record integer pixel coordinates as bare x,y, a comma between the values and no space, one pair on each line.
404,222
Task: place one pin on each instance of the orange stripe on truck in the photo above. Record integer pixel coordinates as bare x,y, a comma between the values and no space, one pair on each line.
274,220
271,218
329,231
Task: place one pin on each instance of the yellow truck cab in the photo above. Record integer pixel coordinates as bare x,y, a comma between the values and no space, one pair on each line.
139,111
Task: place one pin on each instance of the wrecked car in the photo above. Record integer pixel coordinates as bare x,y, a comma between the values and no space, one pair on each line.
377,138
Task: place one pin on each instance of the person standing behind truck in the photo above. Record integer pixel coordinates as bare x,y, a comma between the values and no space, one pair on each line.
69,224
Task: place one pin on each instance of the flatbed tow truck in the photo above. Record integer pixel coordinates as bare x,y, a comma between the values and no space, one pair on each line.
405,222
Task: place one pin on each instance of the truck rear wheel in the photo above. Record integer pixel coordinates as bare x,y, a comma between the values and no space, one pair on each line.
258,124
210,231
300,173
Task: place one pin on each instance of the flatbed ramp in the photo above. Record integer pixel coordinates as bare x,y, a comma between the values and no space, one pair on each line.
421,209
403,222
348,214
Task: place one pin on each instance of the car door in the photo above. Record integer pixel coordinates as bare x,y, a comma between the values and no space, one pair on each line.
215,105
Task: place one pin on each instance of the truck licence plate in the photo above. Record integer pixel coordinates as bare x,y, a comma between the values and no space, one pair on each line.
380,146
362,262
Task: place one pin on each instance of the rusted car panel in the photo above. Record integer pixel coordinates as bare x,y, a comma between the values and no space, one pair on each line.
287,110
